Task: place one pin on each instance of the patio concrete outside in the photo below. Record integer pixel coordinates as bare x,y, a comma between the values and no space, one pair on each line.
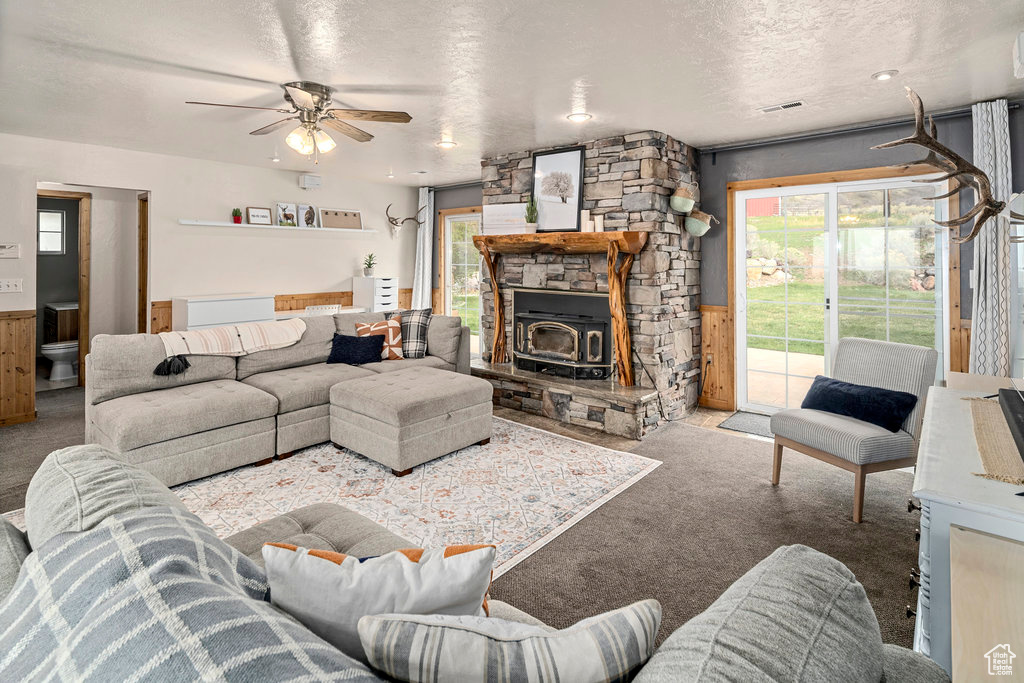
770,389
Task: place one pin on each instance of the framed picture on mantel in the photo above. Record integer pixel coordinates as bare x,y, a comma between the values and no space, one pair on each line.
558,188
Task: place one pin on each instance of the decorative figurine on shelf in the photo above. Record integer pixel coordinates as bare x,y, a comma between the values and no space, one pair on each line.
368,263
236,215
531,215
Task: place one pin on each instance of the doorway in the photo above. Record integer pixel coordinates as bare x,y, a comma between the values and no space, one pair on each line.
817,263
63,227
459,268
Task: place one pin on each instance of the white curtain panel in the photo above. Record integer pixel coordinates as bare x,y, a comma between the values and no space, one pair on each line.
993,274
423,274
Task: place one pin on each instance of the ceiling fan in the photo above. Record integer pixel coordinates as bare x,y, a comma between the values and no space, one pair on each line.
310,106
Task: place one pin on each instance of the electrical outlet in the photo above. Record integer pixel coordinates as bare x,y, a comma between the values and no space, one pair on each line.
711,358
10,285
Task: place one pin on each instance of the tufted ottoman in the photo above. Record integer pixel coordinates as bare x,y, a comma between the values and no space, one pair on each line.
405,418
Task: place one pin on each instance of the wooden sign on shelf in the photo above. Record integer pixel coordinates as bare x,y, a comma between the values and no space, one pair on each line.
339,218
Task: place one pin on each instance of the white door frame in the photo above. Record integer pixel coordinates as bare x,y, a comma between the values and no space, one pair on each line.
831,331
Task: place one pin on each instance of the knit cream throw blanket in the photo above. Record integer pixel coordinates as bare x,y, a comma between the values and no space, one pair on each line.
228,340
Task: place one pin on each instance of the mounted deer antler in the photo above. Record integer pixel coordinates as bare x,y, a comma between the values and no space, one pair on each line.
956,168
397,223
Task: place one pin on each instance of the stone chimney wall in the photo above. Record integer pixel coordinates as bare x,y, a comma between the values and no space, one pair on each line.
628,179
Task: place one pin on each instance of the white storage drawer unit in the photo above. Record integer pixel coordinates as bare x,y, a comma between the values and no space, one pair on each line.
200,312
375,293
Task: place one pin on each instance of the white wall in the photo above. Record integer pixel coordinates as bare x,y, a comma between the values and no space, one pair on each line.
186,260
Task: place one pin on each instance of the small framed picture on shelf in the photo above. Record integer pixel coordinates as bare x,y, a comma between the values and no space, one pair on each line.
340,219
286,215
258,216
307,216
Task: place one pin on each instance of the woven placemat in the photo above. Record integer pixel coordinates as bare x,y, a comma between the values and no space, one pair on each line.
999,454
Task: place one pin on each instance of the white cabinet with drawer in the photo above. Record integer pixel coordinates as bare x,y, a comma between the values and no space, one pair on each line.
201,312
375,293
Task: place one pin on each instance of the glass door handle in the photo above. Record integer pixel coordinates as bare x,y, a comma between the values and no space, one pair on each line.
828,304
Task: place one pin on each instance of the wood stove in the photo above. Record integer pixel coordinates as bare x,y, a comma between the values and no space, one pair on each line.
562,333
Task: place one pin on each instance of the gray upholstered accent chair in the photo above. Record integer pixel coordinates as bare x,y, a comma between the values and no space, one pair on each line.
856,446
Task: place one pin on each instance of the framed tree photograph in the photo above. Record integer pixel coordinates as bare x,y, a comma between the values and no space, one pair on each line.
558,189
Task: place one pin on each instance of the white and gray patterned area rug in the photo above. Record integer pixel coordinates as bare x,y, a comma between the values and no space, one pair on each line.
519,492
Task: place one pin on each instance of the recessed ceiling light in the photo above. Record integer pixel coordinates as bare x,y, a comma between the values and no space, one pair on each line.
391,174
579,116
276,159
418,172
884,75
446,144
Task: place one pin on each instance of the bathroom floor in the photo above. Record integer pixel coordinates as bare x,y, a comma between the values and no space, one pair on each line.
42,377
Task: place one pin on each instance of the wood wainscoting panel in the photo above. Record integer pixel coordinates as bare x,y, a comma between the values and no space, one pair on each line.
160,311
17,367
960,346
717,344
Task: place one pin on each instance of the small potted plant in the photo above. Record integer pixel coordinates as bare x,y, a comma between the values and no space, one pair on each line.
368,263
531,214
236,215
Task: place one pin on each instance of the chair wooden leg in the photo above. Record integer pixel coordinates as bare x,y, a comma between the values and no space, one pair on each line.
858,494
777,463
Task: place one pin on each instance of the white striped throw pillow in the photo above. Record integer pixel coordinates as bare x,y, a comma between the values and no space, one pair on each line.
435,648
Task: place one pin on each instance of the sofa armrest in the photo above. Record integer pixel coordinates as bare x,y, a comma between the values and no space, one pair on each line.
462,363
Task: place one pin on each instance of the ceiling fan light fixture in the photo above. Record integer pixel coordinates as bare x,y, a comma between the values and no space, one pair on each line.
301,141
324,142
579,116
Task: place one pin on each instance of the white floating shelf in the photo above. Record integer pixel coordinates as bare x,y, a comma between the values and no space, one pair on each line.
228,224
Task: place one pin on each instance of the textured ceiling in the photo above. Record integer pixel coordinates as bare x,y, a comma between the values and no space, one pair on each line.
496,76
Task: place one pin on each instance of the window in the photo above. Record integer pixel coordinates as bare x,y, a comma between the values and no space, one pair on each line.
461,274
51,231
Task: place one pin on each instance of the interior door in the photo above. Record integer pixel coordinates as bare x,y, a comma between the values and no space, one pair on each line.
462,273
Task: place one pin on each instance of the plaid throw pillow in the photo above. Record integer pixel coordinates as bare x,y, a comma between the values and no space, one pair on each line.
414,331
391,330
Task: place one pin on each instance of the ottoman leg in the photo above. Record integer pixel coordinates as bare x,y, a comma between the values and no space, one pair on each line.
402,473
285,456
265,461
484,442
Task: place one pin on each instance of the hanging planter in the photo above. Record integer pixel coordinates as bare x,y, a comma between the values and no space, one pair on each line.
682,200
698,223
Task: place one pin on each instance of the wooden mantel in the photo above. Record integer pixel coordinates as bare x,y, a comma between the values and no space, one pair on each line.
615,243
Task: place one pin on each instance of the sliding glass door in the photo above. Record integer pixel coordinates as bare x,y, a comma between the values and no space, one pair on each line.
822,262
461,273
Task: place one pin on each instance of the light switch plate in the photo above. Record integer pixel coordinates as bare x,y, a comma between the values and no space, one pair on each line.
10,250
10,285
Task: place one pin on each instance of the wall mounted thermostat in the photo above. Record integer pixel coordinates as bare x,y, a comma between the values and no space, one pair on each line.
10,250
310,181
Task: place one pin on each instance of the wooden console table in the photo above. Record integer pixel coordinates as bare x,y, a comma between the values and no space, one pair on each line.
626,244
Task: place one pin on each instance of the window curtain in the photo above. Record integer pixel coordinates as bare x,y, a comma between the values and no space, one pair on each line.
422,277
993,294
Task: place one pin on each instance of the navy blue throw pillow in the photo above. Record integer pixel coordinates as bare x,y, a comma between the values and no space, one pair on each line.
882,407
356,350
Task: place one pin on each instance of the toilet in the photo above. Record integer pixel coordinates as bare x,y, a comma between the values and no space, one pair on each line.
64,356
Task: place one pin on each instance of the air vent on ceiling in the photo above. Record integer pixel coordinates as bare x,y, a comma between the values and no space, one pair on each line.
780,107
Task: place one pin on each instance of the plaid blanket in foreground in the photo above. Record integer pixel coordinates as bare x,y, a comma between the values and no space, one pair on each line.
154,595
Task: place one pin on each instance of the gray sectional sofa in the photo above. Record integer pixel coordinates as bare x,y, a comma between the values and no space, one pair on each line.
225,412
798,615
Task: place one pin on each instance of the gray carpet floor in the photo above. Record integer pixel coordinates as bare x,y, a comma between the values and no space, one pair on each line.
60,422
690,528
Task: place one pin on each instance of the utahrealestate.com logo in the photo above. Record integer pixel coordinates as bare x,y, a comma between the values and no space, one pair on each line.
1000,660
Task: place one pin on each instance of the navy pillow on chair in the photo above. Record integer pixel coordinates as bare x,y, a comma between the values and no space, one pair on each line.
356,350
882,407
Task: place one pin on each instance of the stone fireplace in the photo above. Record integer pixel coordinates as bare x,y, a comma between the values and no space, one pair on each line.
562,334
628,180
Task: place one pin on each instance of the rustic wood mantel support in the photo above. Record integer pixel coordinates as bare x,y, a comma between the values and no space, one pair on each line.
625,243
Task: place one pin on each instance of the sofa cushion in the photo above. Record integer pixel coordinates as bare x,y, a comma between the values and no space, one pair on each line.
13,551
305,386
123,364
312,347
141,419
408,396
906,666
324,526
76,488
406,363
443,336
799,615
846,437
414,330
345,323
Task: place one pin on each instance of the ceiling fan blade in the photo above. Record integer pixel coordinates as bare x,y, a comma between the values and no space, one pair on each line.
242,106
273,126
371,115
351,131
301,98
